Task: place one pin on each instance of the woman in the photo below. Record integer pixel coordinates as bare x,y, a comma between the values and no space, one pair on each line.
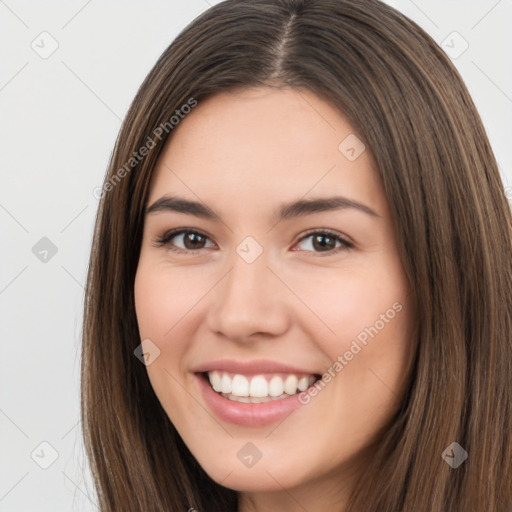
299,294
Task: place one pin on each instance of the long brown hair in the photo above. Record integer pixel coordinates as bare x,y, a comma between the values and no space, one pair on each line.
454,229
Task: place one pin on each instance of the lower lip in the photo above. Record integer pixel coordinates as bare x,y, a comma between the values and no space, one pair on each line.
247,415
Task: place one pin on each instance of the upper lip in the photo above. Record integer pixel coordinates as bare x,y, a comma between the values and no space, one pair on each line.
254,367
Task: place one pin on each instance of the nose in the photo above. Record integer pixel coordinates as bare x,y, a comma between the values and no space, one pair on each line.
250,301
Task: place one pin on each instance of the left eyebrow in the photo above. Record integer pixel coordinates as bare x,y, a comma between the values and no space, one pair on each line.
310,206
286,211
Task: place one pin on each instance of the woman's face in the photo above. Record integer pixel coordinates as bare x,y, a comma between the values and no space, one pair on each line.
286,270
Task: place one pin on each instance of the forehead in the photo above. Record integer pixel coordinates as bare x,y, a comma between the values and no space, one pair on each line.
263,145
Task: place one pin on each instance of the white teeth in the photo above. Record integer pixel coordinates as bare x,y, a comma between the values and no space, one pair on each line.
258,389
257,400
303,383
290,384
225,384
239,385
276,386
215,381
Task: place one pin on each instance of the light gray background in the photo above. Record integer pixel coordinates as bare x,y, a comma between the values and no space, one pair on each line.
59,118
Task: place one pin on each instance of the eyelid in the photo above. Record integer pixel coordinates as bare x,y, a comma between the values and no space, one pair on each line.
163,240
327,231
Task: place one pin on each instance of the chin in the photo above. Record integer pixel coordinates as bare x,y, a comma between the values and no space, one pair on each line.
263,476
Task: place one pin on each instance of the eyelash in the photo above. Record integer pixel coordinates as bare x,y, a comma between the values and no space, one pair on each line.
164,240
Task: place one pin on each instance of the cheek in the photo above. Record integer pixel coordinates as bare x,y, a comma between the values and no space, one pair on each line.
355,305
162,299
159,308
370,316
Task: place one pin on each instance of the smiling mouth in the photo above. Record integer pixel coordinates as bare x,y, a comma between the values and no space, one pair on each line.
260,388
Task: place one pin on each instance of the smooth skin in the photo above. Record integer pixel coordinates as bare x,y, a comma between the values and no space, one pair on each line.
302,302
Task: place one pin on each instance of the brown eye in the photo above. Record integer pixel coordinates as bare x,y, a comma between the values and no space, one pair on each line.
322,242
327,242
193,240
190,239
